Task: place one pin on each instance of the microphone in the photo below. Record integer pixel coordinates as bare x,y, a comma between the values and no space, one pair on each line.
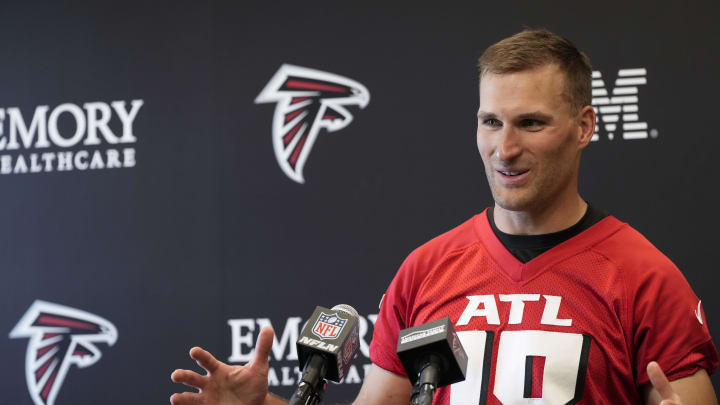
433,357
326,346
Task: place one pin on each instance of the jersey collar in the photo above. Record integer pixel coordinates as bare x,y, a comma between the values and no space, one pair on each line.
523,272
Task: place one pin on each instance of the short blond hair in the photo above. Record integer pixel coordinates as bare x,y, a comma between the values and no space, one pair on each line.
533,48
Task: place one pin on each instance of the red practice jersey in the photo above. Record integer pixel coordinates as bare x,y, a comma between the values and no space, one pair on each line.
577,324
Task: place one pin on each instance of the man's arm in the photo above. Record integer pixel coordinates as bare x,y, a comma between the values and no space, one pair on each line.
695,389
383,387
380,387
248,384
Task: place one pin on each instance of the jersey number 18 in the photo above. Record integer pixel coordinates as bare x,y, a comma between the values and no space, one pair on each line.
561,381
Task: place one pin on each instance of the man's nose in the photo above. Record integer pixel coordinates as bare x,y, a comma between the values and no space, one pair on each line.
508,147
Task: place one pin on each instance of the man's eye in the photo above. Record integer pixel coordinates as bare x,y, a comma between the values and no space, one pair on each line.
531,124
492,122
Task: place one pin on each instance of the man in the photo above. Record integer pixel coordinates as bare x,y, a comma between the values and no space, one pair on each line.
551,298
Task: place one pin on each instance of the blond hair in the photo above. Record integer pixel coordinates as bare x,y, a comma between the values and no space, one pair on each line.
533,48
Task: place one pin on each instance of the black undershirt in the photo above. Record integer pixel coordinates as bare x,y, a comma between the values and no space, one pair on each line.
528,247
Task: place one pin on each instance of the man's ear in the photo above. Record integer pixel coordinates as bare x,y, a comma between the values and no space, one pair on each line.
586,125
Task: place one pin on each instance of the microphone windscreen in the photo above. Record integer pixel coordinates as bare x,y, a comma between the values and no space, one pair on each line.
347,309
334,334
437,339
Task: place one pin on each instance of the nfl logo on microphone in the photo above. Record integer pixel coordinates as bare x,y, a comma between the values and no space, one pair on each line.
328,326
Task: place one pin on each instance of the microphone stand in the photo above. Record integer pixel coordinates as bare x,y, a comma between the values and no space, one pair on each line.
423,390
312,386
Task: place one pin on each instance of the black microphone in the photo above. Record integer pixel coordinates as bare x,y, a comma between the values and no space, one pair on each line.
326,346
433,357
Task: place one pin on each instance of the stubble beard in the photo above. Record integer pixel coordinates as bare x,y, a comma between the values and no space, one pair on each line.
537,194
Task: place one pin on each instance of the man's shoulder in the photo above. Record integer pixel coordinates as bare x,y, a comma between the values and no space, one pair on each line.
456,239
631,250
420,262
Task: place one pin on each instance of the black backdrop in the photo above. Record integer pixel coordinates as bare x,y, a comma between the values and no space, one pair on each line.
202,238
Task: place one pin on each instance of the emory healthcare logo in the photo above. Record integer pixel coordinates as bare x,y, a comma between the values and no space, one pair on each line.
284,370
306,101
59,336
69,137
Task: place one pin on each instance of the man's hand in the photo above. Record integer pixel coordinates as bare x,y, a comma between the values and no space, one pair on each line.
691,390
224,384
662,385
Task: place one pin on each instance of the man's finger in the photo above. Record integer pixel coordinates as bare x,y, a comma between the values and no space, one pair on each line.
186,398
262,350
659,381
189,378
204,359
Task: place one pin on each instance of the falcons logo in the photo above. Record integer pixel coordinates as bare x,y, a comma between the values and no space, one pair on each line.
59,336
307,100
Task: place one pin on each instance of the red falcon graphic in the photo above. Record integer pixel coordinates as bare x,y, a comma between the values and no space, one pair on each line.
306,101
59,336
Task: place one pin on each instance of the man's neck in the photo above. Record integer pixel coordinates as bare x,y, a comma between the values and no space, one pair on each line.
553,218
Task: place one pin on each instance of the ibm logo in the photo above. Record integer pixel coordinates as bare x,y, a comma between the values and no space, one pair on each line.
619,112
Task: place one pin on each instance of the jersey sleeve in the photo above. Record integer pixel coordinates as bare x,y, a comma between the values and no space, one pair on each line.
398,307
393,317
669,325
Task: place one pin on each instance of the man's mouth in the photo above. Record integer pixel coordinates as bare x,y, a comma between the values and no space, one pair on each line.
513,173
512,177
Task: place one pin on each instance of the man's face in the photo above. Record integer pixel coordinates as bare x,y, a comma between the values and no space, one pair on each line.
528,138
